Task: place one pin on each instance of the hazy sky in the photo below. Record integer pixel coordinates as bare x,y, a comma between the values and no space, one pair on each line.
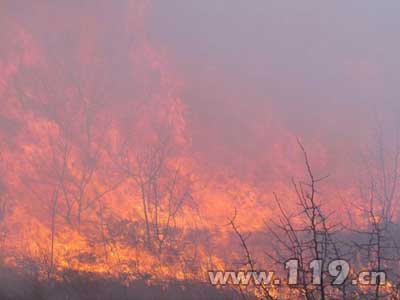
319,68
314,55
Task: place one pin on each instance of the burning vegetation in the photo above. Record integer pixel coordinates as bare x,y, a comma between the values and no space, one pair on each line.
114,185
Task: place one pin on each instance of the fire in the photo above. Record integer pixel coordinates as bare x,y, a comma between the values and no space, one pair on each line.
100,172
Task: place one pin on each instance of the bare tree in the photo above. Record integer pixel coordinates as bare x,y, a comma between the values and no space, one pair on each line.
163,189
262,289
72,160
379,244
307,235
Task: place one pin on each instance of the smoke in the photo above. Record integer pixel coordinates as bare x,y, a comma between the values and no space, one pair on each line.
251,73
123,122
326,72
